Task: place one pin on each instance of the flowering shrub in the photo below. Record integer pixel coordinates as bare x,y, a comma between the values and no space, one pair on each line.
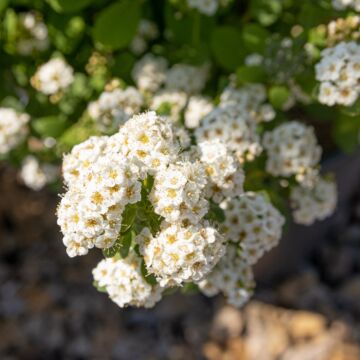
186,130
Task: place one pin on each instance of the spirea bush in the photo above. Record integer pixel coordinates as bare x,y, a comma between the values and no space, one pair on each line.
184,132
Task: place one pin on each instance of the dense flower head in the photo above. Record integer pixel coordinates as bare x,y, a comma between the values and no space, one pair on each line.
123,281
343,4
233,128
224,171
188,78
113,108
33,34
149,73
339,72
343,29
13,128
36,175
232,276
53,77
169,103
179,254
252,222
313,204
292,149
250,100
197,108
178,194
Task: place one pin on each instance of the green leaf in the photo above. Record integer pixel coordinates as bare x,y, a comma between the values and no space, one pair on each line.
3,5
113,250
251,74
98,287
227,47
189,288
346,131
254,37
12,102
117,24
215,213
149,278
128,215
266,11
126,240
278,95
69,5
52,126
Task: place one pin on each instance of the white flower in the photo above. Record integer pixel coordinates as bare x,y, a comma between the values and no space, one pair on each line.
343,4
187,78
182,254
254,59
339,74
177,194
123,281
147,31
113,108
233,276
169,103
253,222
54,76
206,7
36,175
313,204
292,149
149,73
197,108
13,129
33,34
232,128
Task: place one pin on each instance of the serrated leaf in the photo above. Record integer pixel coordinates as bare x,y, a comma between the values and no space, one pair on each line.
117,24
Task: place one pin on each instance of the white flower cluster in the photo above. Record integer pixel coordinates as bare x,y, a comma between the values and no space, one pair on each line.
13,128
292,149
250,100
314,204
53,77
169,103
252,222
33,34
197,108
181,254
147,31
343,4
122,280
233,128
227,178
339,74
233,276
207,7
178,194
188,78
113,108
149,73
36,175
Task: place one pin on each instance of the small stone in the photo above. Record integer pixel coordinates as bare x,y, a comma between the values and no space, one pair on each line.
304,324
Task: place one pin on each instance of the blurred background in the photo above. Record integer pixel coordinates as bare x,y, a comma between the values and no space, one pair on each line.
50,310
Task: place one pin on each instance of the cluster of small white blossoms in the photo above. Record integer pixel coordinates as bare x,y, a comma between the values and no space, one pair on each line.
149,73
181,254
252,222
113,108
146,32
123,281
33,34
36,175
233,276
178,193
13,129
232,127
339,74
292,149
226,175
197,108
250,99
53,77
313,204
343,4
207,7
169,103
